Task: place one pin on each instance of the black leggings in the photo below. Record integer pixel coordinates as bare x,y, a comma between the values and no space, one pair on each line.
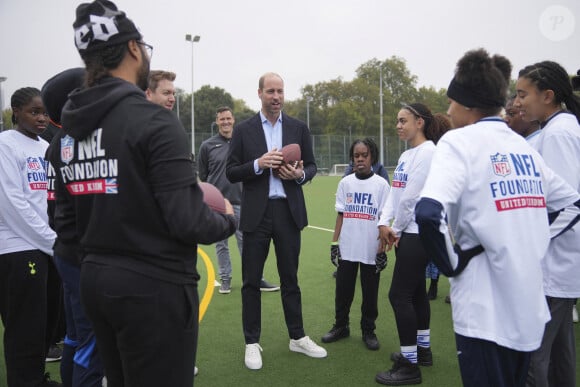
407,294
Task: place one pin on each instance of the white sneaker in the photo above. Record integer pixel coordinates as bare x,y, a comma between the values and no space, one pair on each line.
253,357
195,371
574,314
308,347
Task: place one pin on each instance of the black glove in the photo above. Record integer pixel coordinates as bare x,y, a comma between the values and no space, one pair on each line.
334,253
380,261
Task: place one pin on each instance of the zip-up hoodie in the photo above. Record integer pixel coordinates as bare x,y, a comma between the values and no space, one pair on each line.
127,187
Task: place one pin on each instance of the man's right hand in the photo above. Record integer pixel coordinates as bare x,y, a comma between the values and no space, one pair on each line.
272,159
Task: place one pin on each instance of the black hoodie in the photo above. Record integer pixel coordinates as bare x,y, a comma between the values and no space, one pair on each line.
127,187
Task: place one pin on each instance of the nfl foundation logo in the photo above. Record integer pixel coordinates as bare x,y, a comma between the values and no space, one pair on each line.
66,149
33,164
500,165
349,197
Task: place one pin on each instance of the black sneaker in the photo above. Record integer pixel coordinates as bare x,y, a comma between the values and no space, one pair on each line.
265,286
54,354
403,373
49,383
335,334
371,340
424,356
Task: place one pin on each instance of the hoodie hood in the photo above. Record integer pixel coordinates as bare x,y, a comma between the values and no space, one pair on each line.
86,108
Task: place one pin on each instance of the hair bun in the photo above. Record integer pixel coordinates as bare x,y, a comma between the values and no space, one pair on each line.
480,80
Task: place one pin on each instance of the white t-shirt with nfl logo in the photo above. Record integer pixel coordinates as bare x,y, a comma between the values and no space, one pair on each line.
360,201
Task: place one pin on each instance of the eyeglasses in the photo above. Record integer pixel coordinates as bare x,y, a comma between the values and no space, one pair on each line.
148,48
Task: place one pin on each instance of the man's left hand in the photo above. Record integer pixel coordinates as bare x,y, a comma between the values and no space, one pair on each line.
291,172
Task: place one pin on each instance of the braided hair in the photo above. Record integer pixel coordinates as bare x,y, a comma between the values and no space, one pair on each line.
100,62
22,97
371,146
434,127
548,75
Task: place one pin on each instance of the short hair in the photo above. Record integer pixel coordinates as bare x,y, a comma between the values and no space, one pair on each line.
263,77
22,97
371,146
158,75
222,109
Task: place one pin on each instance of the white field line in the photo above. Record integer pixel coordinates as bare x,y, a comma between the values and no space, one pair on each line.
320,228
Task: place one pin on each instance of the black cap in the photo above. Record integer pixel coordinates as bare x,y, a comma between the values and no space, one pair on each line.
55,91
100,24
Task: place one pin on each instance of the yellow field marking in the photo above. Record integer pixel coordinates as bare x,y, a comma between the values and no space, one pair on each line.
209,287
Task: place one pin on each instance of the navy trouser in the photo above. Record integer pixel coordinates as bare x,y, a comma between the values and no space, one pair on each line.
344,294
484,363
87,370
146,329
28,283
277,225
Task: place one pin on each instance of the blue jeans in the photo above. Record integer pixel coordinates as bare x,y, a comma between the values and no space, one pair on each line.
222,249
80,338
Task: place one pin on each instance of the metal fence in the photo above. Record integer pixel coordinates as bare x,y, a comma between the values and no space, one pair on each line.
333,149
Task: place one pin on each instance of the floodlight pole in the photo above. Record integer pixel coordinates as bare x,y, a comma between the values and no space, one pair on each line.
308,100
192,39
381,110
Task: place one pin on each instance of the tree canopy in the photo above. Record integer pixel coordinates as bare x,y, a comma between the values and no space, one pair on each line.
353,107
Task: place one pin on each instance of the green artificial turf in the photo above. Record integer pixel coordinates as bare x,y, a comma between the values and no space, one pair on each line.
220,355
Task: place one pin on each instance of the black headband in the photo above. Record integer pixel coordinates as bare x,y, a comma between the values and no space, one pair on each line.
470,97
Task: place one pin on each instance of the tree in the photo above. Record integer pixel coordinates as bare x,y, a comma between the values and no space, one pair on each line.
339,107
241,111
207,100
436,100
7,119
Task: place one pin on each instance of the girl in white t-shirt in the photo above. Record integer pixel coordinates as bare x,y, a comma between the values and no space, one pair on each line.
26,241
359,199
416,125
483,216
545,94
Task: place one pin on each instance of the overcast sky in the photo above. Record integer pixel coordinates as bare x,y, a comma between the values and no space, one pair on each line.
306,41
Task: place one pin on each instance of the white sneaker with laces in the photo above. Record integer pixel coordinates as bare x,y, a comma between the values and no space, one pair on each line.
253,358
308,347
